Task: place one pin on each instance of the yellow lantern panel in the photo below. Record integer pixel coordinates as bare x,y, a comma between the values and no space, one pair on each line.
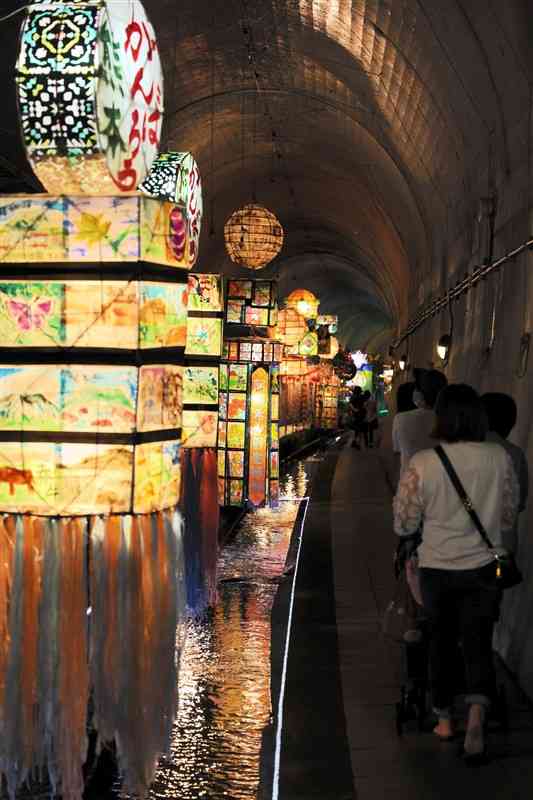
291,327
51,229
304,302
157,476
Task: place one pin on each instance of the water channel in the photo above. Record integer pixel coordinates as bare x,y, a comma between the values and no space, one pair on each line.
224,676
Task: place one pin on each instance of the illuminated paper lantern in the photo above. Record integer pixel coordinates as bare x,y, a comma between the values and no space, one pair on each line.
248,439
53,229
251,302
253,236
175,178
291,327
90,90
304,302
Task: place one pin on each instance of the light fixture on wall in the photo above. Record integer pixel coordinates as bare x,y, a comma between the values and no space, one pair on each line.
402,362
443,347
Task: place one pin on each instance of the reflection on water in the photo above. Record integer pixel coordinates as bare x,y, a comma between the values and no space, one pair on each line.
224,684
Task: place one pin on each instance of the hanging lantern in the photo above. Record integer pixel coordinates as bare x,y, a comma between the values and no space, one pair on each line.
90,90
304,302
176,223
253,236
291,327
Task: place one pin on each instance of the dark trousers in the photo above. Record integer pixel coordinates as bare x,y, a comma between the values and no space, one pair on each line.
462,609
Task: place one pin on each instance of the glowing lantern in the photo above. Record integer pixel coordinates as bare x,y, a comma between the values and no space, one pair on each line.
175,178
248,438
90,90
304,302
291,327
253,236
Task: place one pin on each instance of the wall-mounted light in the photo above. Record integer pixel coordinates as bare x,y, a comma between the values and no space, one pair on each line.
402,362
443,346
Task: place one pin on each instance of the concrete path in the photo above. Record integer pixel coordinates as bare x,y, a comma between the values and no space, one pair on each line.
383,765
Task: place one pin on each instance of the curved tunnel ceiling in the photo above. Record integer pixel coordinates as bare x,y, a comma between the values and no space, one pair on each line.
360,123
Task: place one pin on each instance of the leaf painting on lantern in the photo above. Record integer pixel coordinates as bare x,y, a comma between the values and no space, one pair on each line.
160,402
199,428
238,377
157,476
31,314
237,406
162,315
102,228
204,336
200,385
65,479
205,292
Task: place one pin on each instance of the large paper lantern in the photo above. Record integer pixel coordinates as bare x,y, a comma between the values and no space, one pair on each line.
304,302
253,236
291,327
175,178
90,91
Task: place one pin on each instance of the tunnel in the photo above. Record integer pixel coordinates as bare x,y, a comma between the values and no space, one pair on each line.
393,141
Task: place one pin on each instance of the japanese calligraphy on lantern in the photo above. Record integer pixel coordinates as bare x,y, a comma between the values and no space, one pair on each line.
90,95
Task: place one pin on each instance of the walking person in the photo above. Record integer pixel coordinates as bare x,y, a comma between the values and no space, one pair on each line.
371,418
411,430
455,563
357,412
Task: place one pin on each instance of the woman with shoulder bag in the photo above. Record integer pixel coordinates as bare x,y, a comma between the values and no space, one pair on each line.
466,493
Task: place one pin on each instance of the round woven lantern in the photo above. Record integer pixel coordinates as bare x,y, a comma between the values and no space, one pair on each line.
253,236
304,302
291,327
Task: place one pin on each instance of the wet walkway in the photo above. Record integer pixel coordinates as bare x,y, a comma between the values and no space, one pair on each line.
338,738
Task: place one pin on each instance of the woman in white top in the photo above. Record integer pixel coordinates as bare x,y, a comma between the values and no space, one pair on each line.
461,603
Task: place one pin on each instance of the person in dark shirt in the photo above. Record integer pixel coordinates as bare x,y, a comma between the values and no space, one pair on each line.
358,413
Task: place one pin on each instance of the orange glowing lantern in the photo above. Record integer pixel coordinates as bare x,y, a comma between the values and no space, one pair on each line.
304,302
291,327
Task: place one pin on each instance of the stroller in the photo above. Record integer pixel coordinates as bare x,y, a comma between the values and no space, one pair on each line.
414,702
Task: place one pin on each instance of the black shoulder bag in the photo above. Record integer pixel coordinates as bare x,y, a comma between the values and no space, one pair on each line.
506,572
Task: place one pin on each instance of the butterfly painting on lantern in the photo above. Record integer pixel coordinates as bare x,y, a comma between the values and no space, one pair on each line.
30,314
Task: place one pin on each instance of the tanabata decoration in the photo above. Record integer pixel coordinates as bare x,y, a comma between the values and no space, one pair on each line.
253,236
90,90
248,442
291,327
87,230
331,320
253,349
251,302
304,302
175,223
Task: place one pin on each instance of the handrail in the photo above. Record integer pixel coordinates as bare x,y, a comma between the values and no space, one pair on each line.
467,283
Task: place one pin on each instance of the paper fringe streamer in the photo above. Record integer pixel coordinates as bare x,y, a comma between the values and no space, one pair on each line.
55,651
200,508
